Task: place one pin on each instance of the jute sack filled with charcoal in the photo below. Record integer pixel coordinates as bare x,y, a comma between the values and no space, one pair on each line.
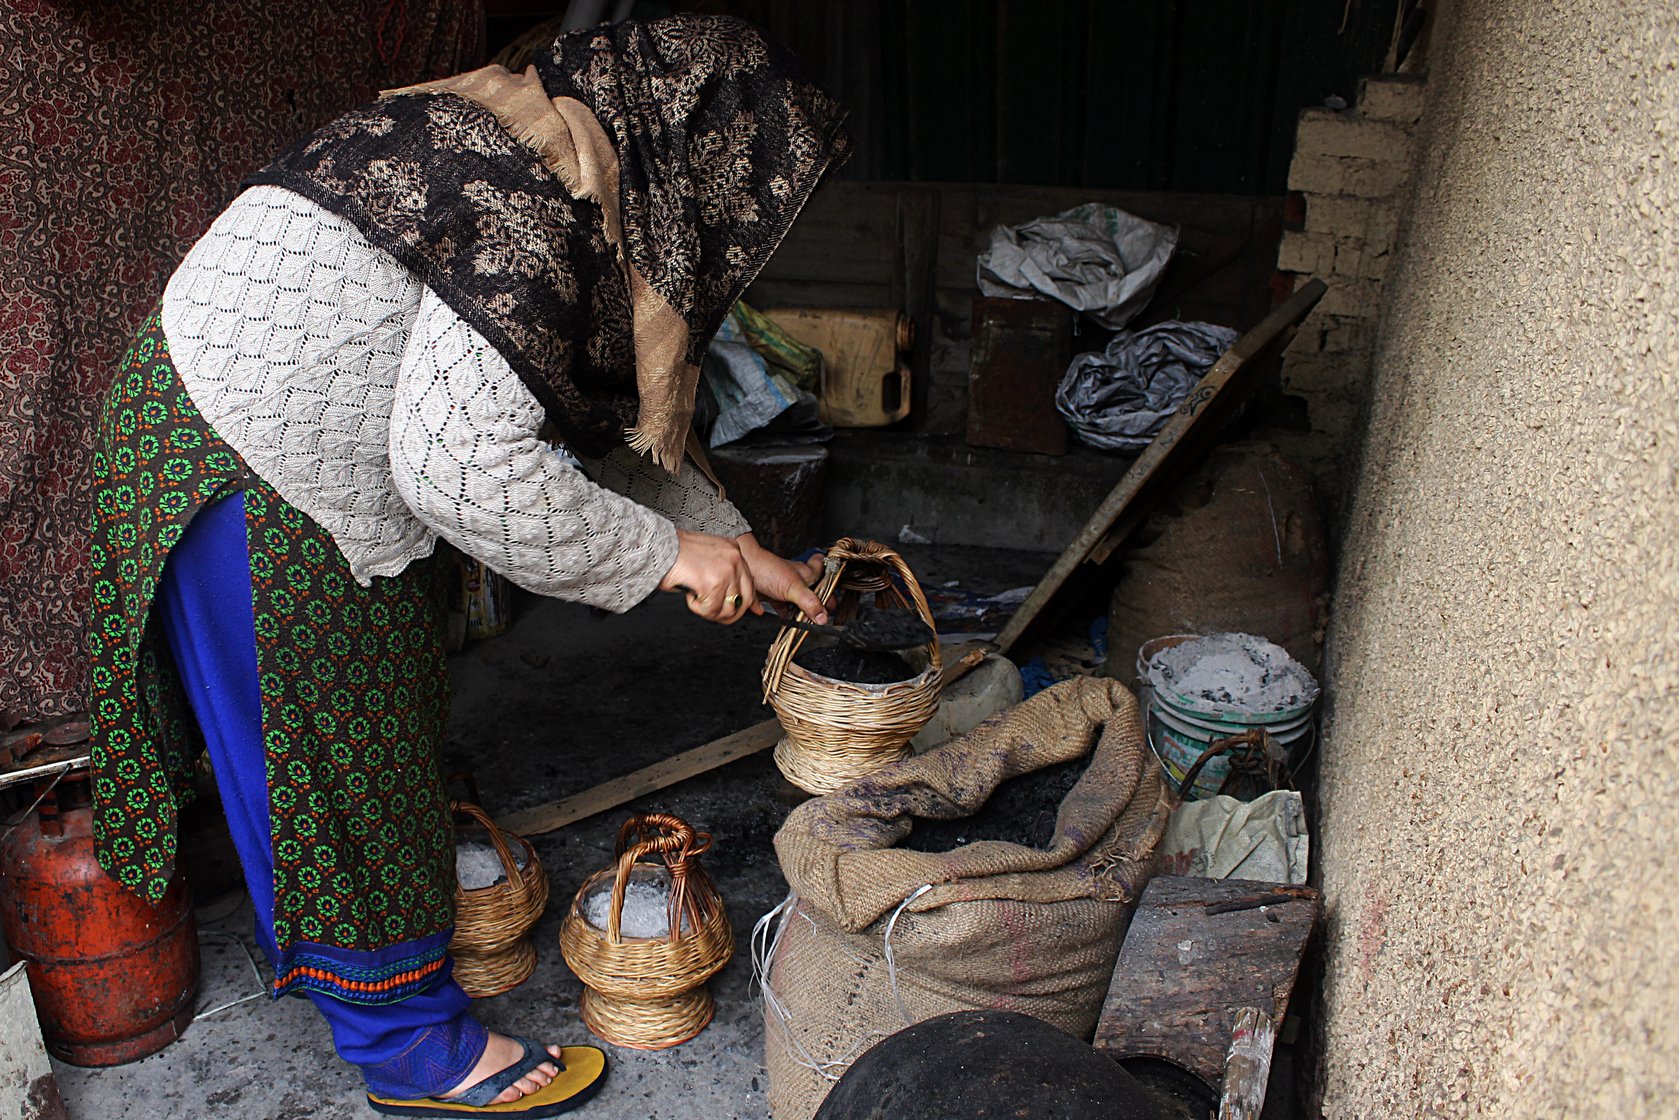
876,935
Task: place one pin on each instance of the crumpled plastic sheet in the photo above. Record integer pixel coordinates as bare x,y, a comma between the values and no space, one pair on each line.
1264,840
1119,397
1096,259
748,393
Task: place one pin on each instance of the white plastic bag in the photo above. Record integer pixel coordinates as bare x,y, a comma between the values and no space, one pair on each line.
1096,259
1263,840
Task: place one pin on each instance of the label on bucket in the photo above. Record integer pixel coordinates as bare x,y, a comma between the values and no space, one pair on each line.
1178,752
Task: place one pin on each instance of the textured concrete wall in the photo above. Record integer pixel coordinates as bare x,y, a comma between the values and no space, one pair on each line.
1502,767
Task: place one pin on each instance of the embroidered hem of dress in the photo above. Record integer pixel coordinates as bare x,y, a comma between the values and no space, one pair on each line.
380,976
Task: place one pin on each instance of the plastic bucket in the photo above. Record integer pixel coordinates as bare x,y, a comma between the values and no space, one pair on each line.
1212,713
1181,728
1178,746
1196,723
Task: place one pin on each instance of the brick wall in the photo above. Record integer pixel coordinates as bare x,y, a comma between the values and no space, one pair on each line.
1348,176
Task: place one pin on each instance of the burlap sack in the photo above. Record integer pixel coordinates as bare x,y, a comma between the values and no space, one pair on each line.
876,937
1237,545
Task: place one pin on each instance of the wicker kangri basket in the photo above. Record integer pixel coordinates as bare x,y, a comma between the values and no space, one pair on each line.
838,731
492,946
650,993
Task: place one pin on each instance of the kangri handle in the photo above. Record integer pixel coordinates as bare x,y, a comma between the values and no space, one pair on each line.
663,834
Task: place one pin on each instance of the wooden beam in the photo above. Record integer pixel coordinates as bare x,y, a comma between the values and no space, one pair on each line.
689,764
649,779
1188,432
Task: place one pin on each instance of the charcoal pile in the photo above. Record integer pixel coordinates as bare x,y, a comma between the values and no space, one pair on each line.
1021,811
844,663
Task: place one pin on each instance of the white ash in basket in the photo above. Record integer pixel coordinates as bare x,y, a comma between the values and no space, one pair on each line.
646,908
477,865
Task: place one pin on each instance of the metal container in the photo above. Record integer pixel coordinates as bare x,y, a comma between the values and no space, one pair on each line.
1020,352
113,976
778,490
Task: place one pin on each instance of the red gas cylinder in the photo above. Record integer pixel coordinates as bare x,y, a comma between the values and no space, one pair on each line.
114,976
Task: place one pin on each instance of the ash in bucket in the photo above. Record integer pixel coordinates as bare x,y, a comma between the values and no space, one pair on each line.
1241,670
843,663
1020,811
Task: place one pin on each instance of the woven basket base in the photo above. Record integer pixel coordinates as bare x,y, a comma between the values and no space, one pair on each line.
820,771
491,974
656,1024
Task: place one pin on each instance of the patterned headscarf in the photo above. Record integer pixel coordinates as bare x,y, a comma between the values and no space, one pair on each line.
596,219
720,141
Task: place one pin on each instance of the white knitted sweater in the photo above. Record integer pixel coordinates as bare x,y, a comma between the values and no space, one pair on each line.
353,390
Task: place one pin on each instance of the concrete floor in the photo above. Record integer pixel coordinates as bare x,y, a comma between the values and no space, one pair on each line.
561,702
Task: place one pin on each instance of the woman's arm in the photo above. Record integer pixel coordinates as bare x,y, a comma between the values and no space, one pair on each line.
693,503
468,461
689,499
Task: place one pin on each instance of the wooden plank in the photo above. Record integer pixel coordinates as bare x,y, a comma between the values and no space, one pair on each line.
1190,430
918,240
847,233
1197,953
768,293
1040,90
1127,129
649,779
689,764
951,57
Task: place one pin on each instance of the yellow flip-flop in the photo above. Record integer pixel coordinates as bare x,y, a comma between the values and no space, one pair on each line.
582,1072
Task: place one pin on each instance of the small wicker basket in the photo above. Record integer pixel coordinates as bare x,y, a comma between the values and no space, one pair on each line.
839,731
650,993
492,946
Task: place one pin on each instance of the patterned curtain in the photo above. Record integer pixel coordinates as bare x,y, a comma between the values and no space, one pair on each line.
125,127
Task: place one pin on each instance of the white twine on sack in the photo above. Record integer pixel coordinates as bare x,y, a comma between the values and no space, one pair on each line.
891,962
765,946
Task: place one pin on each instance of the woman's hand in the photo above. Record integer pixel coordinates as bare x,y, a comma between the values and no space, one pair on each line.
783,581
714,575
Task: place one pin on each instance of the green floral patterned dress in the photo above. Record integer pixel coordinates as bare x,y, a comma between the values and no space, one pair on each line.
354,696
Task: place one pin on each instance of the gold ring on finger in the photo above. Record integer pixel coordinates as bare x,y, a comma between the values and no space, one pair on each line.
735,601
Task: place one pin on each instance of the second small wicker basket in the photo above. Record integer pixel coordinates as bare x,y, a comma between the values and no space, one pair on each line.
491,946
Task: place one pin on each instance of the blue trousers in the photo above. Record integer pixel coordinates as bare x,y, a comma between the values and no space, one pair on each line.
419,1046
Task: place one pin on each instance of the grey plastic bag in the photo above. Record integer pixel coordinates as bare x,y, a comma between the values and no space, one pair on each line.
1096,259
1118,398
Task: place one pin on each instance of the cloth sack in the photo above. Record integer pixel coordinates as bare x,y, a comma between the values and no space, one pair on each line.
875,937
1236,546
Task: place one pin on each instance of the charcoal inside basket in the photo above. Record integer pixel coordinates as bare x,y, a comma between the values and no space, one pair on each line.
859,666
